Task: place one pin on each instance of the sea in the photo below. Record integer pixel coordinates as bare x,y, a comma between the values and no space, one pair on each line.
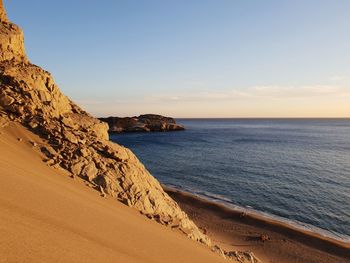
293,170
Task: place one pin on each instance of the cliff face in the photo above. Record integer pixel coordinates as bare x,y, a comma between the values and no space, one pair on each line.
3,16
11,39
142,123
75,140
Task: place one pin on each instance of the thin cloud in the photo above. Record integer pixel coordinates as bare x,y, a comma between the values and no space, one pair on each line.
337,78
299,91
272,92
89,102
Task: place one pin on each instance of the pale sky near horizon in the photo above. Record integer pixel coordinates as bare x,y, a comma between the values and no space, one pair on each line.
194,58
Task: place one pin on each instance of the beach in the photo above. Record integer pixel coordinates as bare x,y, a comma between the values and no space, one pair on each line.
72,189
297,170
47,216
233,230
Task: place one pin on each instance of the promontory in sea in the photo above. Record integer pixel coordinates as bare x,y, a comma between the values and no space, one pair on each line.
142,123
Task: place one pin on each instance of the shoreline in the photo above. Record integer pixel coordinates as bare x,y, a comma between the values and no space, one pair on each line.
197,205
261,215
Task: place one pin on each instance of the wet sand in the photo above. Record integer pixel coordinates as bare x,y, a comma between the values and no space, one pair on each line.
233,230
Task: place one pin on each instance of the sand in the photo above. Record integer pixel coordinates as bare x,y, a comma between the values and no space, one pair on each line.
287,244
46,216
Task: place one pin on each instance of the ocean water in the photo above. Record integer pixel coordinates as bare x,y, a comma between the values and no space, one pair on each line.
296,170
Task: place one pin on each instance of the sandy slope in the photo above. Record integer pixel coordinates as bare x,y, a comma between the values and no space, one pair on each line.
45,216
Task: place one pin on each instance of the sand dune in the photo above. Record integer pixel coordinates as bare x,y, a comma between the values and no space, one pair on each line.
45,216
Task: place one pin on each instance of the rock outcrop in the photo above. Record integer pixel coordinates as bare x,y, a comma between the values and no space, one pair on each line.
142,123
76,141
3,16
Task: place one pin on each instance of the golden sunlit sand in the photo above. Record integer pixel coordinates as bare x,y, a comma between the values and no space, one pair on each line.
68,194
233,230
46,216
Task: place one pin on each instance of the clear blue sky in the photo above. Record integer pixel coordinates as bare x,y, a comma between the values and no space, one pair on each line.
194,58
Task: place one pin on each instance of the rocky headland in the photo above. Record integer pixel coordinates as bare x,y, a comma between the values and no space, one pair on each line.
61,180
79,144
142,123
76,141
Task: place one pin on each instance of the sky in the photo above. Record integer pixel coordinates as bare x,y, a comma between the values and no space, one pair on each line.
194,58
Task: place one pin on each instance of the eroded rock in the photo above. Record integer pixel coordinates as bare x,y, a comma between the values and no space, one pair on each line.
75,140
78,143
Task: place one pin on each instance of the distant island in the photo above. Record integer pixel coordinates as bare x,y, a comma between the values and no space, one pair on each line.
142,123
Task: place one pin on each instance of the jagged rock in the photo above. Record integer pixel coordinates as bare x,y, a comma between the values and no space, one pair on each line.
3,16
49,151
103,194
218,250
85,152
77,167
75,140
142,123
70,137
242,257
50,162
6,100
68,122
33,124
3,122
89,171
11,39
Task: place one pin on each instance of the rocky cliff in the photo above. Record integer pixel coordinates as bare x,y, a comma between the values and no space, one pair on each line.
75,141
142,123
3,16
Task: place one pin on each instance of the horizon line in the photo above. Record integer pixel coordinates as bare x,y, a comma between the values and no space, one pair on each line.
261,117
206,118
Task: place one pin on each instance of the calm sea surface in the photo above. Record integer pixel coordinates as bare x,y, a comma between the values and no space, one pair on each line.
293,169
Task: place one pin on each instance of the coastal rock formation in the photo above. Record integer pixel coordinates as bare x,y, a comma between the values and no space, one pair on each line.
3,16
142,123
76,141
